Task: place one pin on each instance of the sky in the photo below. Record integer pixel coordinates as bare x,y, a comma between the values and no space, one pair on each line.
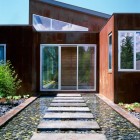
17,11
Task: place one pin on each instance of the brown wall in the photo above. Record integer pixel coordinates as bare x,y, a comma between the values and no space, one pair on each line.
19,50
127,84
94,23
106,83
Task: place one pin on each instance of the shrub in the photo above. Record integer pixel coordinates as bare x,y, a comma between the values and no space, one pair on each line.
9,81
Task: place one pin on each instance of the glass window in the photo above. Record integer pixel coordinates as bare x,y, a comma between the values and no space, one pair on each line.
2,53
86,67
129,50
48,24
138,50
50,67
110,52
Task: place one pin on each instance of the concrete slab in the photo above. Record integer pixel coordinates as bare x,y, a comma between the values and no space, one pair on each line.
68,125
68,115
68,95
68,101
83,109
68,98
70,136
68,104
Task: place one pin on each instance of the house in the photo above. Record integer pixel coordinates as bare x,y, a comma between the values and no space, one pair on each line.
66,48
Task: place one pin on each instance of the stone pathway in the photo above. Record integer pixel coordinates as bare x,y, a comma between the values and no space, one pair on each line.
68,112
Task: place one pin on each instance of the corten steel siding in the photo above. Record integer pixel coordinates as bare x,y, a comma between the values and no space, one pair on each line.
106,83
19,50
94,23
127,84
67,38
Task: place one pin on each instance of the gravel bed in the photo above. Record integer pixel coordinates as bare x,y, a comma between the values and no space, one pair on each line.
5,107
136,114
113,125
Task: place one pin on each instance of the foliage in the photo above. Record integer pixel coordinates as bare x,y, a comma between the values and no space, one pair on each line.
121,104
129,107
127,53
136,104
26,96
9,81
16,97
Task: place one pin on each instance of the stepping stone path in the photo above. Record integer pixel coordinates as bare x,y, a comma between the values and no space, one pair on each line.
68,112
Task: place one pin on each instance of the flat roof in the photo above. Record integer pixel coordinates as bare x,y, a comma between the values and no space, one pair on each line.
76,8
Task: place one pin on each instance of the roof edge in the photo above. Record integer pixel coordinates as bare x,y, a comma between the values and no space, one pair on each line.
75,8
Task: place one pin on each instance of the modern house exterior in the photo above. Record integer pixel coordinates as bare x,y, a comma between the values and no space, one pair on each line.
71,49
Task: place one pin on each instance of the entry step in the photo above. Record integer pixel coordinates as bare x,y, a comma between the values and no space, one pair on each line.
68,95
68,125
66,136
68,104
68,115
68,101
68,98
83,109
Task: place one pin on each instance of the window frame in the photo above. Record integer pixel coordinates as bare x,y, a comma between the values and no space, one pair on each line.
109,35
4,46
119,51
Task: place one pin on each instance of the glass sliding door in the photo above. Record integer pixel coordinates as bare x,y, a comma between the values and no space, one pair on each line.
68,67
86,67
49,71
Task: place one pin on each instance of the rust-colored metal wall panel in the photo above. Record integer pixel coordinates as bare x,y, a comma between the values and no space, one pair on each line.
126,84
106,83
19,50
94,23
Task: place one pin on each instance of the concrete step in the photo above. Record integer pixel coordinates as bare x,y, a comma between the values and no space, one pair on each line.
68,115
68,104
68,125
67,136
68,95
82,109
68,101
68,98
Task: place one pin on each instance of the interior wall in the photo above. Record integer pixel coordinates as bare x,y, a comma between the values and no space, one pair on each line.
106,84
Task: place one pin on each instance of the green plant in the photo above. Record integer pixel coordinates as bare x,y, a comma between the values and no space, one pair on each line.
129,107
26,96
136,104
8,98
9,81
16,97
121,104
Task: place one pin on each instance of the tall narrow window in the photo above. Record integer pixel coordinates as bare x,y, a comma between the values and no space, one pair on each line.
2,53
110,52
129,50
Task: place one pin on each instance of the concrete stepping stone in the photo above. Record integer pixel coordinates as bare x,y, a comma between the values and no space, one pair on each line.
83,109
68,98
68,115
68,104
66,136
68,95
68,101
68,125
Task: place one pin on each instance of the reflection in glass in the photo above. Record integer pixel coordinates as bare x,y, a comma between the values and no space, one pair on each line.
48,24
1,53
86,67
50,68
138,50
127,50
110,52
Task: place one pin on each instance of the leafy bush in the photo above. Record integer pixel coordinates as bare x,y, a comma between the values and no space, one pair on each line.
9,81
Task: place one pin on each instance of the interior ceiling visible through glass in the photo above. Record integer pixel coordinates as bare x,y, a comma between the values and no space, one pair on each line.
47,24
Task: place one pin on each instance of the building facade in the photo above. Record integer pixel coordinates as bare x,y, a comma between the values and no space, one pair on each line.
71,49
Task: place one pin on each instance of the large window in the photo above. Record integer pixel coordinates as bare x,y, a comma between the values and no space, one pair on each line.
48,24
2,53
129,50
110,52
